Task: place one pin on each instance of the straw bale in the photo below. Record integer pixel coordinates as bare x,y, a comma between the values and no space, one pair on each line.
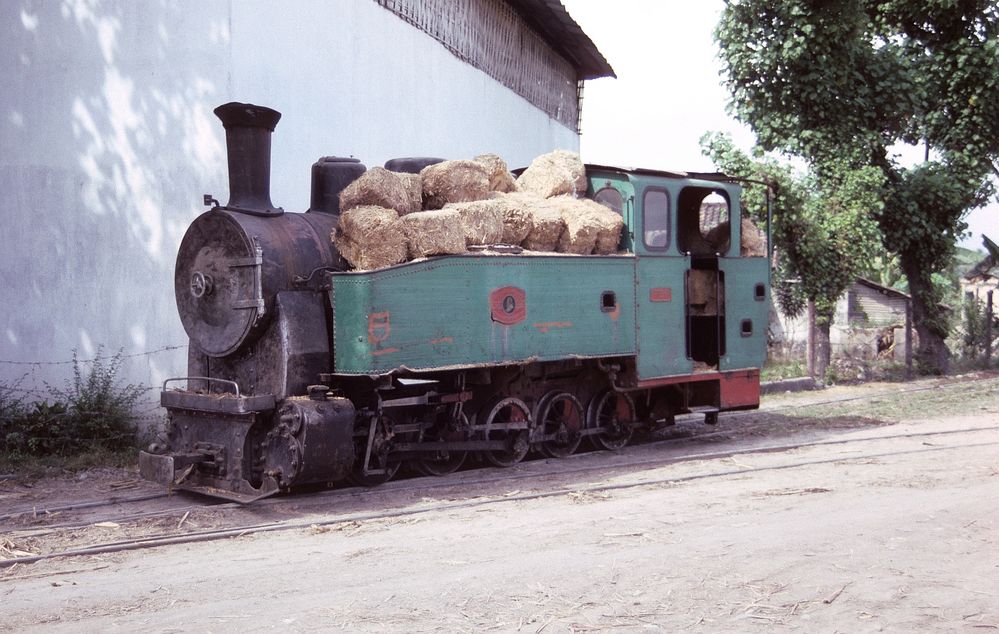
376,187
453,182
518,219
703,292
481,220
754,242
581,226
414,190
500,178
546,220
553,174
609,226
437,232
718,238
370,237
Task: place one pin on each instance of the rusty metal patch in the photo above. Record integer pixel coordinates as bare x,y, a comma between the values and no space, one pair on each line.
379,327
545,326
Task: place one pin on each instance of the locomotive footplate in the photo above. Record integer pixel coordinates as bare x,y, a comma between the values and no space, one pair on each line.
208,444
243,448
167,470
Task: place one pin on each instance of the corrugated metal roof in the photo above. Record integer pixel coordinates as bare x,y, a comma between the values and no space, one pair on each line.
884,290
550,19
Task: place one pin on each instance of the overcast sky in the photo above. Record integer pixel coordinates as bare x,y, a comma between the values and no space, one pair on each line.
668,91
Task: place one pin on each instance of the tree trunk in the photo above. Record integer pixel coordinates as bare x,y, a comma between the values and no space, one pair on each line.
823,347
929,319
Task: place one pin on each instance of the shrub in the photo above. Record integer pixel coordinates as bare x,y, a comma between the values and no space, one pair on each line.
94,411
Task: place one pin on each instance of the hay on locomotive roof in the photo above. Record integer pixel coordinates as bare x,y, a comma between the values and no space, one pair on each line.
370,237
376,187
436,232
553,174
581,226
546,221
500,178
481,220
453,182
414,190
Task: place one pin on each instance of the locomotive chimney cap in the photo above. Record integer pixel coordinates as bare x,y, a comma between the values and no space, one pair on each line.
247,115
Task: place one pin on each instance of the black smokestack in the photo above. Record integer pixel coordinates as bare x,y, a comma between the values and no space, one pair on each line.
248,131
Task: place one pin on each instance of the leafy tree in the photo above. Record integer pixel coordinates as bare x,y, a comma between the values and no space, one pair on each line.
840,82
824,229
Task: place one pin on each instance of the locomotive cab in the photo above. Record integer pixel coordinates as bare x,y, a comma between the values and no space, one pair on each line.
702,298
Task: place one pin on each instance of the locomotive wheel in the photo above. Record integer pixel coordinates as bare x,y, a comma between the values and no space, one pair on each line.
373,480
614,413
518,441
560,414
443,462
379,457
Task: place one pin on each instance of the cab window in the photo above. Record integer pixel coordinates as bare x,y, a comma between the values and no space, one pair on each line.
655,218
610,197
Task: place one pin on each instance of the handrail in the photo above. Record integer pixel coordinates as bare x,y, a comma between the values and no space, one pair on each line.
201,378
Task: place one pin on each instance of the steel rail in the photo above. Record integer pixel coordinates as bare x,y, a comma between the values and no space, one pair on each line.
215,534
425,482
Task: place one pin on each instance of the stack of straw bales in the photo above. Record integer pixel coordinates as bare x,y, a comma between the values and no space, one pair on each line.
387,218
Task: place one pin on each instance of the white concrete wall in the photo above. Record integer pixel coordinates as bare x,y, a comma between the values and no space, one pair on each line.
107,141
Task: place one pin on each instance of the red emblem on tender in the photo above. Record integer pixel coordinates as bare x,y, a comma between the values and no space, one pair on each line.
379,327
508,305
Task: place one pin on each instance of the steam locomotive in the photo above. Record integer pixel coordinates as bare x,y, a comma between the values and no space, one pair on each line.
303,371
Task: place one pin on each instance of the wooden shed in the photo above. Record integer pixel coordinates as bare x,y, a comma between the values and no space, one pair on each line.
866,314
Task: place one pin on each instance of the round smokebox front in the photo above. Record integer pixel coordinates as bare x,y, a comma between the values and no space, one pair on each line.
217,283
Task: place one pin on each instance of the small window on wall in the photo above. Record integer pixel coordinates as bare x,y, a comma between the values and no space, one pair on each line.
703,219
655,218
610,197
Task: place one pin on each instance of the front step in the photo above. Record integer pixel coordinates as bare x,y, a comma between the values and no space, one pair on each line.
709,413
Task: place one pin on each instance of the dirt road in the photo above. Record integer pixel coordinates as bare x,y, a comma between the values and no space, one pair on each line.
883,528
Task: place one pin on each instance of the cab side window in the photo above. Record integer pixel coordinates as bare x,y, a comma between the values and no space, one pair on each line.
656,218
610,197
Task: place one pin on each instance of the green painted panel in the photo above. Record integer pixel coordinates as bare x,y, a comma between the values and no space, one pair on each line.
438,312
741,277
662,346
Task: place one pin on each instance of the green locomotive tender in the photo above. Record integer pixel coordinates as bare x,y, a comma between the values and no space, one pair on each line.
302,371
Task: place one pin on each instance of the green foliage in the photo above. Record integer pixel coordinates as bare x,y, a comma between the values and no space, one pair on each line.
974,329
965,260
824,229
840,82
93,412
777,370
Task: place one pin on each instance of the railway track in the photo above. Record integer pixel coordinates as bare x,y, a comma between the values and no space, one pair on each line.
187,503
165,539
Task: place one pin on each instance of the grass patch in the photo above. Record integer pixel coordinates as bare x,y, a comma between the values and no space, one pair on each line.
774,370
950,399
31,467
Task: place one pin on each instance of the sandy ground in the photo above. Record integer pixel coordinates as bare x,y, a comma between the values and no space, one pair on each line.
890,533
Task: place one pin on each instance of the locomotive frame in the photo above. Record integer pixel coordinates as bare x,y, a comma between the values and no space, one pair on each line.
301,371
